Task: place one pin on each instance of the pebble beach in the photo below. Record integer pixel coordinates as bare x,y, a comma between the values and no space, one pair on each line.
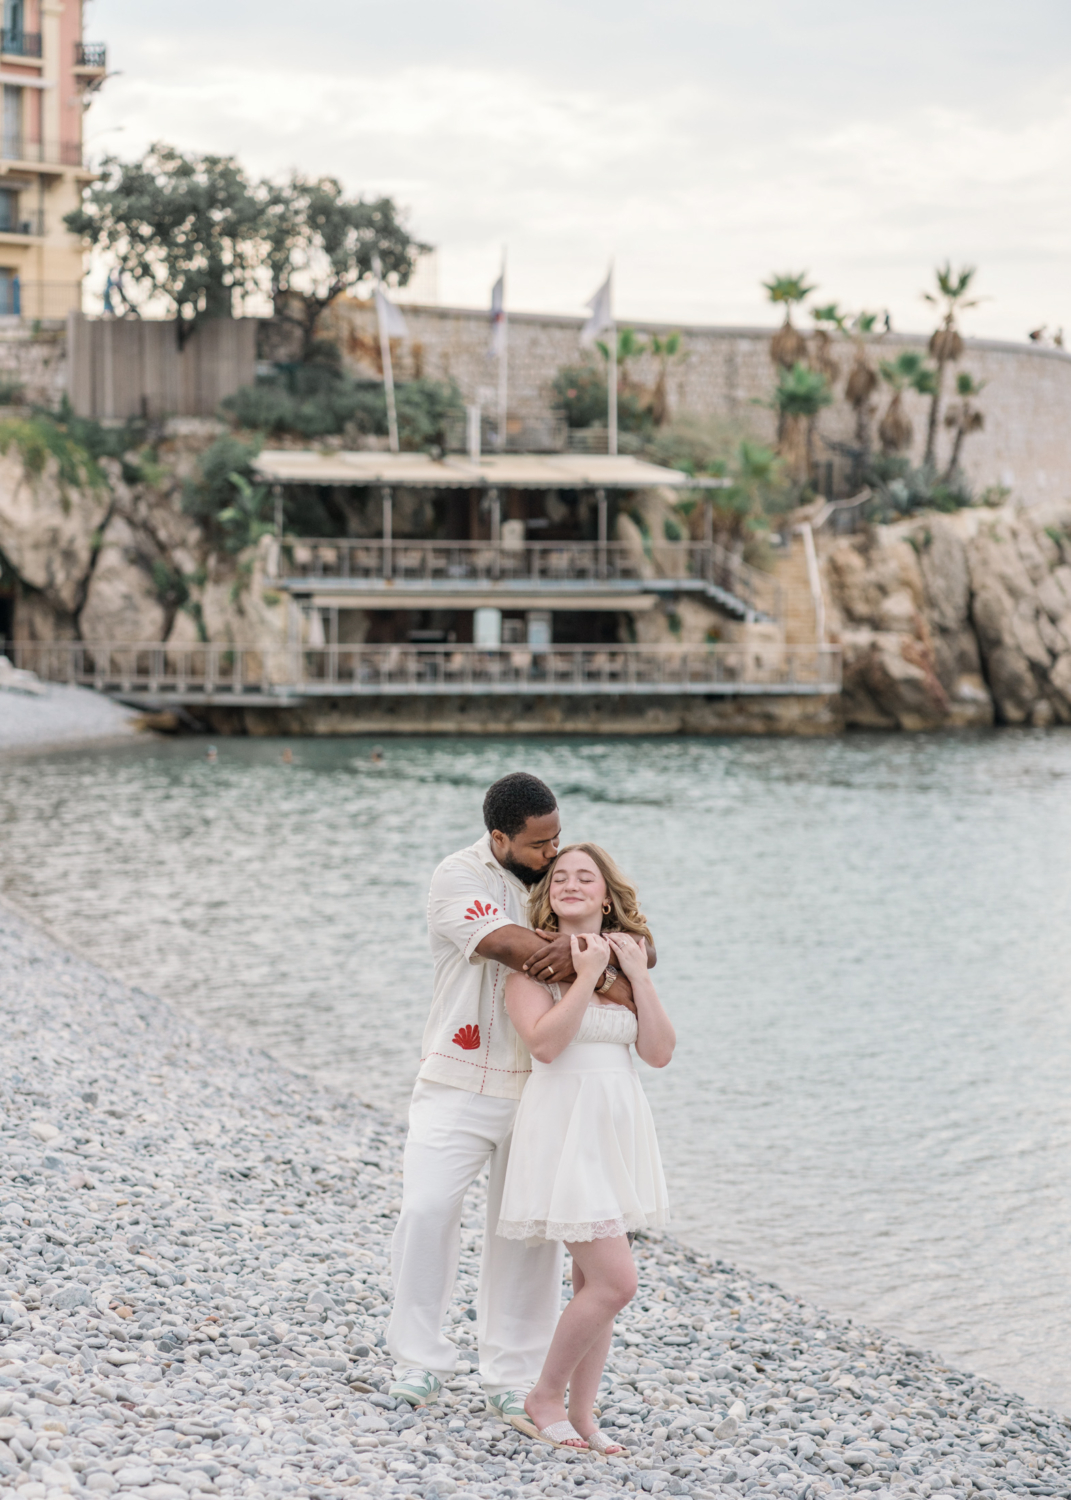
194,1284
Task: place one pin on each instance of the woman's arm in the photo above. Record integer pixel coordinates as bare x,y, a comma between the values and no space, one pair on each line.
545,1028
655,1037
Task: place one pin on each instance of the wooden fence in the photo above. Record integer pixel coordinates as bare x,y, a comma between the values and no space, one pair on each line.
133,367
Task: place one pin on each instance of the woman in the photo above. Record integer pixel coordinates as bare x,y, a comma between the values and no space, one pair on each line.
584,1164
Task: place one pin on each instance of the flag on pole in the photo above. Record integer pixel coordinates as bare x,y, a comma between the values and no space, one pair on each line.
497,347
390,317
602,313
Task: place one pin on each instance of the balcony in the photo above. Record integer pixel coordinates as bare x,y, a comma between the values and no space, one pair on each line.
60,154
20,43
32,228
91,57
452,568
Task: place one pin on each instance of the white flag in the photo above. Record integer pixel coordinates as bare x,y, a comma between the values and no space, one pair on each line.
497,347
602,314
390,317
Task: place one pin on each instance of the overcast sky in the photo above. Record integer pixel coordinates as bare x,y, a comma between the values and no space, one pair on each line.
704,144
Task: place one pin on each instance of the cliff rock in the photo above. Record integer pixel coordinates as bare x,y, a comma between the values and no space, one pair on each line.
122,603
49,532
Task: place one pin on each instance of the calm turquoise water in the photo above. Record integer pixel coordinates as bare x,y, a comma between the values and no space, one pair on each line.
865,944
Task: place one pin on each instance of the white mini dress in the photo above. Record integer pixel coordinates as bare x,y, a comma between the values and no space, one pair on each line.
584,1161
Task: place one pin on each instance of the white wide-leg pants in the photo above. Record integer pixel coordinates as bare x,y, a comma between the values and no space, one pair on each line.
452,1133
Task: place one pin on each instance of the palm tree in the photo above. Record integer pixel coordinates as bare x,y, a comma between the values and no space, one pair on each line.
908,371
946,344
788,347
822,340
963,418
861,384
799,397
663,350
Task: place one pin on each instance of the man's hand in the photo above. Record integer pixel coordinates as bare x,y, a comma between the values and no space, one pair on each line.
552,961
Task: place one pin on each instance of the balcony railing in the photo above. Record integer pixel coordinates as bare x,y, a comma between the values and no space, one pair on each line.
20,43
63,153
91,54
189,674
34,225
702,563
38,299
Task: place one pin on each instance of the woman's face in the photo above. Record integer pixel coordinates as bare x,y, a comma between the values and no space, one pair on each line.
577,889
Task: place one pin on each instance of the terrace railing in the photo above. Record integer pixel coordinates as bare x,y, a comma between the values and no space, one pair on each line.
190,673
534,562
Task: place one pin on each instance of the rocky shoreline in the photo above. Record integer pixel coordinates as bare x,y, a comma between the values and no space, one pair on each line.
194,1284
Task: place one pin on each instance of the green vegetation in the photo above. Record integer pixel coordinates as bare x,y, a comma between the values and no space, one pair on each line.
42,436
193,232
318,398
224,496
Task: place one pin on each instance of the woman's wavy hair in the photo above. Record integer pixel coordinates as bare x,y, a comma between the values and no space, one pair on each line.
624,914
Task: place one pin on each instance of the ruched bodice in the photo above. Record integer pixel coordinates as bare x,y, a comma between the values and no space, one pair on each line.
607,1023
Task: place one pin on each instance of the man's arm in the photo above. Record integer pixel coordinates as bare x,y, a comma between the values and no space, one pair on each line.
516,947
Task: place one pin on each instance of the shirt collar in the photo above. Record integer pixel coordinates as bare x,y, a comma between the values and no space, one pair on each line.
486,854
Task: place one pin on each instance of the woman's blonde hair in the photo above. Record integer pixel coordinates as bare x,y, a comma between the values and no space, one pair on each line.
624,914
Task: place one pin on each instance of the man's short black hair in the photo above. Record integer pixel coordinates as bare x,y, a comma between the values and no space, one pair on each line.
513,800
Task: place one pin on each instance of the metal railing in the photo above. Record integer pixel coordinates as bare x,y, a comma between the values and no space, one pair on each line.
842,517
696,563
62,153
34,225
91,54
18,43
159,671
39,299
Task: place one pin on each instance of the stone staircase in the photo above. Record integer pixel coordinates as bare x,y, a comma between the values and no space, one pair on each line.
797,603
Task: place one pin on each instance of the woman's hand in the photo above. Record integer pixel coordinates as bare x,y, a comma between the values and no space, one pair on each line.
631,954
589,962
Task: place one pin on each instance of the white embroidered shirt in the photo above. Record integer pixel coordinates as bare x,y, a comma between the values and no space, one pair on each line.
469,1041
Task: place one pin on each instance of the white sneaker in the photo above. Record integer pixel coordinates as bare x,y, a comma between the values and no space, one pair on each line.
418,1387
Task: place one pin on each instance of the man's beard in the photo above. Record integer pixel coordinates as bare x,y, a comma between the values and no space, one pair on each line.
524,873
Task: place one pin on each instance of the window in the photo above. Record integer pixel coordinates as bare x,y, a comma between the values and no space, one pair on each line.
9,292
11,123
9,209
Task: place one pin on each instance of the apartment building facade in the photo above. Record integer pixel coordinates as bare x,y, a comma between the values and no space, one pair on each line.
48,73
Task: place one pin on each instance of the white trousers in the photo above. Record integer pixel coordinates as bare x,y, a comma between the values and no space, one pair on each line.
452,1133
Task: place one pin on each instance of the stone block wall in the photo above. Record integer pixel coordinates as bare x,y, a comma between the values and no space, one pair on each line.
727,372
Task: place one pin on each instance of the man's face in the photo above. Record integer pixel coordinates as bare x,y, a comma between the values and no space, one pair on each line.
529,852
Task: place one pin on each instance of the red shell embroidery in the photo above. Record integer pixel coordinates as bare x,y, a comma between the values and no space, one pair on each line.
468,1038
480,909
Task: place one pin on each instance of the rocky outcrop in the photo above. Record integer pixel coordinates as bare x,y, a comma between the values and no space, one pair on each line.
49,532
951,620
122,598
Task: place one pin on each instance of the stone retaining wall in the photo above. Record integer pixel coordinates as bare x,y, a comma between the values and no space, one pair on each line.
727,372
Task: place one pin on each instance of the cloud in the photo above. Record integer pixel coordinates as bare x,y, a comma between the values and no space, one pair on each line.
756,150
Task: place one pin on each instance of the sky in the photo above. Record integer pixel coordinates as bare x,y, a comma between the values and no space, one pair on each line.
702,145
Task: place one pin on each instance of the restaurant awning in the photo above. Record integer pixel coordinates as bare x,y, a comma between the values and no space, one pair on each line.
531,471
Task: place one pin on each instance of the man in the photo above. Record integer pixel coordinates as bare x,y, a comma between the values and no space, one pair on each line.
472,1070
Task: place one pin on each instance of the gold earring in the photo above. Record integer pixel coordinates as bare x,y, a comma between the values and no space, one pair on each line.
607,908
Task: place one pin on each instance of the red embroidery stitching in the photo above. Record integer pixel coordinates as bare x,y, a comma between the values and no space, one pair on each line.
480,909
468,1038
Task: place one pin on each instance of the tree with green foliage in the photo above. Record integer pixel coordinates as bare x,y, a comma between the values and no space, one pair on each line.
223,494
908,371
788,346
963,418
182,230
319,244
946,342
664,350
800,395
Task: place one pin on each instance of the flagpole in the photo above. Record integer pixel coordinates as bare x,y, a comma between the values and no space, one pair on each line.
503,365
388,373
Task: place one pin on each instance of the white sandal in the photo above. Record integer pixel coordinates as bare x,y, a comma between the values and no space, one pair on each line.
598,1442
561,1435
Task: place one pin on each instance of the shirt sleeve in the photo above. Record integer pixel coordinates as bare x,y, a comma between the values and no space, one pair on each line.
461,909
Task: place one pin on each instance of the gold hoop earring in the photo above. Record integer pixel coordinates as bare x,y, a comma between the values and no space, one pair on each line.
607,908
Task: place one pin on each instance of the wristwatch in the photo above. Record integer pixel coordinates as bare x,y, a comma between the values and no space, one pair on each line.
609,975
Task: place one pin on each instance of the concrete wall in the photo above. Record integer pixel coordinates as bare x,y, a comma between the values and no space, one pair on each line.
1026,442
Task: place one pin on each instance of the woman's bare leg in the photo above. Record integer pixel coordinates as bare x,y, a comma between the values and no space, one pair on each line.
606,1284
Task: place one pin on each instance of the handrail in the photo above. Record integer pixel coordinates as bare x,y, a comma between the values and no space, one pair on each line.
834,508
191,673
423,561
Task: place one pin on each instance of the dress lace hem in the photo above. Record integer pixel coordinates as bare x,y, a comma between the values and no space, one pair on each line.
592,1229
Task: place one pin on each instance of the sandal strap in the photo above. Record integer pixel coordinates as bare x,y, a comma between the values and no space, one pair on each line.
601,1443
560,1432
